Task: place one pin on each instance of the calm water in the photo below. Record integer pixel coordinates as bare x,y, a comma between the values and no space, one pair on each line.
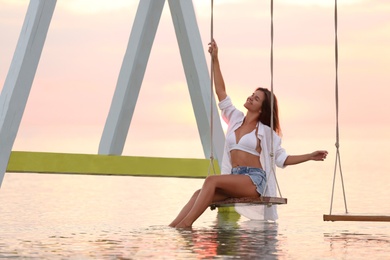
106,217
46,216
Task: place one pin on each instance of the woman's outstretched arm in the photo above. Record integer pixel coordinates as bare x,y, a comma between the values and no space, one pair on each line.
314,156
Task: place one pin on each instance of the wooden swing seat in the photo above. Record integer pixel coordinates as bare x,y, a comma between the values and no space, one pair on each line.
269,201
357,217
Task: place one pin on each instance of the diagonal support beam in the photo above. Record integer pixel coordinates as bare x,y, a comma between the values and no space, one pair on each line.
131,76
197,75
21,74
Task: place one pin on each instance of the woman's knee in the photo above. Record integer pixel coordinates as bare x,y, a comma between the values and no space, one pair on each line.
210,181
196,193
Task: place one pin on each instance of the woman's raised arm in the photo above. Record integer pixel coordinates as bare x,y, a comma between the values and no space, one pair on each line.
218,78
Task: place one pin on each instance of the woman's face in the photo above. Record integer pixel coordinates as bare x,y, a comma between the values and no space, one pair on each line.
253,103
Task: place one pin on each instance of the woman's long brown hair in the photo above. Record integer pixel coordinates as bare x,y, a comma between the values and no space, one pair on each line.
265,115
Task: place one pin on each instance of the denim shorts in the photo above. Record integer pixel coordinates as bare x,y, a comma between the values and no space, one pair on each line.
257,176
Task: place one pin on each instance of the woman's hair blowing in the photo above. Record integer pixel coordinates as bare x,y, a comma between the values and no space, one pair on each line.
265,115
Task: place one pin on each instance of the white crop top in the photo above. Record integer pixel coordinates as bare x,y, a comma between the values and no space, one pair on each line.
247,143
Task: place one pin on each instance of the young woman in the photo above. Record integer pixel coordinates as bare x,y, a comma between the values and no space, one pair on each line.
248,144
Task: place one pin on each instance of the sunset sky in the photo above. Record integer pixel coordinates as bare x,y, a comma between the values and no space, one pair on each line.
82,56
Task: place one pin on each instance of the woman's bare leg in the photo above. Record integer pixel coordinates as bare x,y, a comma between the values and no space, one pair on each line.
190,204
227,186
185,209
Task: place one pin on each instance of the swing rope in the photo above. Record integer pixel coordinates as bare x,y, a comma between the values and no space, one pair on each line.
337,161
272,103
211,165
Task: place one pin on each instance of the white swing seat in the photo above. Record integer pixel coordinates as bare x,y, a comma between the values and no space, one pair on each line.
269,201
357,217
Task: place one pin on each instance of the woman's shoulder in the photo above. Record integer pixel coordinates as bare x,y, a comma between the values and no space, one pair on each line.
266,130
227,107
227,101
264,127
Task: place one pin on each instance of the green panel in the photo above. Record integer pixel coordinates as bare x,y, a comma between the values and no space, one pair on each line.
41,162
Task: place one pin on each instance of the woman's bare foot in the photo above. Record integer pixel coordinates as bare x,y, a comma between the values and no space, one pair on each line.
183,225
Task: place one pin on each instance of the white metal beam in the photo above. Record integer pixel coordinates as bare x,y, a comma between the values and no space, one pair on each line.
197,75
21,74
131,76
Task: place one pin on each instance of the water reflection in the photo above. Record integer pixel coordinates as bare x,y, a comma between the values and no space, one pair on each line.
344,242
231,238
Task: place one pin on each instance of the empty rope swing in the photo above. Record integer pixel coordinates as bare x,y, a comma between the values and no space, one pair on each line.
346,216
262,200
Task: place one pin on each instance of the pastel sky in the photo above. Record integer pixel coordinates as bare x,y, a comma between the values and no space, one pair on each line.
80,63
